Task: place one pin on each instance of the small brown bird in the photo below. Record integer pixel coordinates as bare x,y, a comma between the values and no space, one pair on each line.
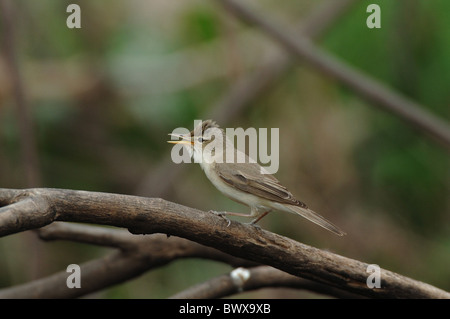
247,183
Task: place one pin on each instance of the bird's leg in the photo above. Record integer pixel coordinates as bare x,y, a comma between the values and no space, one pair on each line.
224,215
257,219
236,214
253,213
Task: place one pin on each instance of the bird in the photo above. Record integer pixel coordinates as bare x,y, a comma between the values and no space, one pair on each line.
243,181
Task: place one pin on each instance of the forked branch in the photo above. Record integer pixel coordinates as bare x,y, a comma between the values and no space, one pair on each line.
34,208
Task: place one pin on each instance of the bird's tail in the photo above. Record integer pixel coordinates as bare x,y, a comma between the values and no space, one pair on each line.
315,218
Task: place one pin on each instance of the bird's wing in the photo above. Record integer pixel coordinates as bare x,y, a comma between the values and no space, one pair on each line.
254,182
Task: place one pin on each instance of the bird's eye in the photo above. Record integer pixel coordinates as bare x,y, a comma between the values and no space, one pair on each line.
201,139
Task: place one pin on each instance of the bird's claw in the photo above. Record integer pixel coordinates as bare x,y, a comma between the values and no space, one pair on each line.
223,215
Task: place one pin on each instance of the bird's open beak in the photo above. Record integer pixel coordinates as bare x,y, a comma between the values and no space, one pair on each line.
184,139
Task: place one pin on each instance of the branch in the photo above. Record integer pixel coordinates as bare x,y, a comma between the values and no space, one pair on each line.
370,89
136,255
40,207
258,277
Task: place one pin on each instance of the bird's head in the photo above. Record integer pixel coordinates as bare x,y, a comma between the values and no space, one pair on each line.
199,138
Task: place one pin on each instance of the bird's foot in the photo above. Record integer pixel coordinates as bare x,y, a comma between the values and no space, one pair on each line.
223,215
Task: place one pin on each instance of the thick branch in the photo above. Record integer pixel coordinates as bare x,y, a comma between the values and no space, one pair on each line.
149,215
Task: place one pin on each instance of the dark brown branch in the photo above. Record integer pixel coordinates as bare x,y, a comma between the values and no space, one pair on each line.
124,240
137,255
100,236
370,89
140,215
259,277
118,266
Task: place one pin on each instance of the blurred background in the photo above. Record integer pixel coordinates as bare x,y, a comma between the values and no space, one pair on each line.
101,100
